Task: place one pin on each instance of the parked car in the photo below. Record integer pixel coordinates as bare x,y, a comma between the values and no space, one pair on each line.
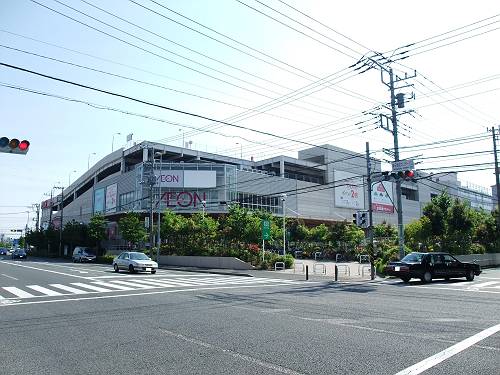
83,254
428,266
19,254
3,251
134,262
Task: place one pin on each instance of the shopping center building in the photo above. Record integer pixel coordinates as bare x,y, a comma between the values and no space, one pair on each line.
323,184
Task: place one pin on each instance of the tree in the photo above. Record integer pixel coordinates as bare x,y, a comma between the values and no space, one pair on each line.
385,230
436,211
97,230
132,228
418,232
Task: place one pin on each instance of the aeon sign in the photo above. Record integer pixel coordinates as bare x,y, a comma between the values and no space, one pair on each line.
183,198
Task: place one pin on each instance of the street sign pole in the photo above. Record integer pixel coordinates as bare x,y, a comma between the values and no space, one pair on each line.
266,235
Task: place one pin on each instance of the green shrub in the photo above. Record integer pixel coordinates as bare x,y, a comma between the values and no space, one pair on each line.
477,248
106,259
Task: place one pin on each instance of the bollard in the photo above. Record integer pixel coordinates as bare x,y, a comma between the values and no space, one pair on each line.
307,272
336,273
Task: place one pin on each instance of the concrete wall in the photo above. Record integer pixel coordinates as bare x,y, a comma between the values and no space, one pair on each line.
205,262
484,260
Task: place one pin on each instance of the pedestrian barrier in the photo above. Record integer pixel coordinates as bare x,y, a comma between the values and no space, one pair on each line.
298,264
345,268
317,265
317,255
364,259
339,258
280,265
368,268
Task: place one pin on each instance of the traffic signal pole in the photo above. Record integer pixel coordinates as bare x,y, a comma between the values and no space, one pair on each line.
497,174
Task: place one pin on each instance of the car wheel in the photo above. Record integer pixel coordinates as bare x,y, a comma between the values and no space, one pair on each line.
427,277
405,279
115,267
131,269
469,275
153,272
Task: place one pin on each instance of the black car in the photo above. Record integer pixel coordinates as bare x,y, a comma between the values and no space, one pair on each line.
19,253
3,251
428,266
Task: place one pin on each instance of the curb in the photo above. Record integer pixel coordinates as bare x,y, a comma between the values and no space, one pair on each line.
204,270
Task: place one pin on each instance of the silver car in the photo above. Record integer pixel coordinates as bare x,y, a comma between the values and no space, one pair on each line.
134,262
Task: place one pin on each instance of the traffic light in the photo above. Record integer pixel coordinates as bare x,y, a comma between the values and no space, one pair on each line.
360,219
408,175
14,146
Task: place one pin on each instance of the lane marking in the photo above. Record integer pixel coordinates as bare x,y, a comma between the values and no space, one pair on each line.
140,294
10,277
18,292
483,285
41,289
232,353
128,284
69,289
92,287
43,270
447,353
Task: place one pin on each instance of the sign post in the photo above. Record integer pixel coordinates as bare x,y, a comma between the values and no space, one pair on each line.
266,234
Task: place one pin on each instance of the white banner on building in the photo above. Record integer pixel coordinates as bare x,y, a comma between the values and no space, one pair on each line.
111,196
349,192
186,179
382,197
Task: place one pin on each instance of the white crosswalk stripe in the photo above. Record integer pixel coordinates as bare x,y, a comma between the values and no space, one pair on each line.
46,291
129,284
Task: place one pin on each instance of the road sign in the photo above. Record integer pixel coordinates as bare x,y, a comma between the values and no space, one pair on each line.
266,230
403,165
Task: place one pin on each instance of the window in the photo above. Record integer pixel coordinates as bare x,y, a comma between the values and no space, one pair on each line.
126,201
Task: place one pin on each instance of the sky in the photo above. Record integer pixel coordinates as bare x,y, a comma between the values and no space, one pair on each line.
276,68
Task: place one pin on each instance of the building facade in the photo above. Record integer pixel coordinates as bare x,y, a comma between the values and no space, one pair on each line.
324,184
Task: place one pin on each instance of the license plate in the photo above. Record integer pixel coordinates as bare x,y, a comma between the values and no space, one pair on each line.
148,269
397,268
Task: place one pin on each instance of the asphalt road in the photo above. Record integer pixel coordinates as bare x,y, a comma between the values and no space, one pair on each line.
199,323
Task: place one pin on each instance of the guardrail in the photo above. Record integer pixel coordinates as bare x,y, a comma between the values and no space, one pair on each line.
280,265
366,267
298,264
317,265
346,269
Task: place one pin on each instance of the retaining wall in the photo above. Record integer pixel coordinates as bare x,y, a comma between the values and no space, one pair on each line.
484,260
205,262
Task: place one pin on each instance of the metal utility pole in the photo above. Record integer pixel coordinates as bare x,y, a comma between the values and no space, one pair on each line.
370,209
497,176
50,212
283,199
62,213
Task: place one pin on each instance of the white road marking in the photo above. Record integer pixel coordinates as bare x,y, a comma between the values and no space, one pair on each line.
10,277
41,289
482,285
18,292
109,285
92,287
459,289
432,361
132,284
42,269
69,289
141,294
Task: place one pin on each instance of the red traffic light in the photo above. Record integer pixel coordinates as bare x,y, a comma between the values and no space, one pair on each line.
409,174
24,145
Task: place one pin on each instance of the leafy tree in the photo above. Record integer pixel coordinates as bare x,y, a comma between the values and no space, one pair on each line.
319,233
436,211
97,229
418,232
385,230
132,228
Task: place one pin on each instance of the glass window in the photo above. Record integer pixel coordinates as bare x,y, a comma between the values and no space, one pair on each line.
413,258
448,259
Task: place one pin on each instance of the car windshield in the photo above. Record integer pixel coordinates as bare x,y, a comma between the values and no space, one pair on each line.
413,258
88,252
138,256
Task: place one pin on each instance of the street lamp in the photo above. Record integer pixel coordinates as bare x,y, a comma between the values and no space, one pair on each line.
182,130
113,141
241,149
88,160
203,206
283,200
69,177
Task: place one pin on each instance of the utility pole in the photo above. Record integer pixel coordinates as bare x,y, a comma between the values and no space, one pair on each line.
370,209
497,177
283,199
61,222
37,207
50,212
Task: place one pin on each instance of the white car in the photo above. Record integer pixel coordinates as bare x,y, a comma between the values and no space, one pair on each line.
134,262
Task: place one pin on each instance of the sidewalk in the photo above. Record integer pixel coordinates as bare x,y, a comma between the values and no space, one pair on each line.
317,271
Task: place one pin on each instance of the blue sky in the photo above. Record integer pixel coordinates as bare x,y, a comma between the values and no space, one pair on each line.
63,134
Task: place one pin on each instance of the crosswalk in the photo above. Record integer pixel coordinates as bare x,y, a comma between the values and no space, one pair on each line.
491,285
93,286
